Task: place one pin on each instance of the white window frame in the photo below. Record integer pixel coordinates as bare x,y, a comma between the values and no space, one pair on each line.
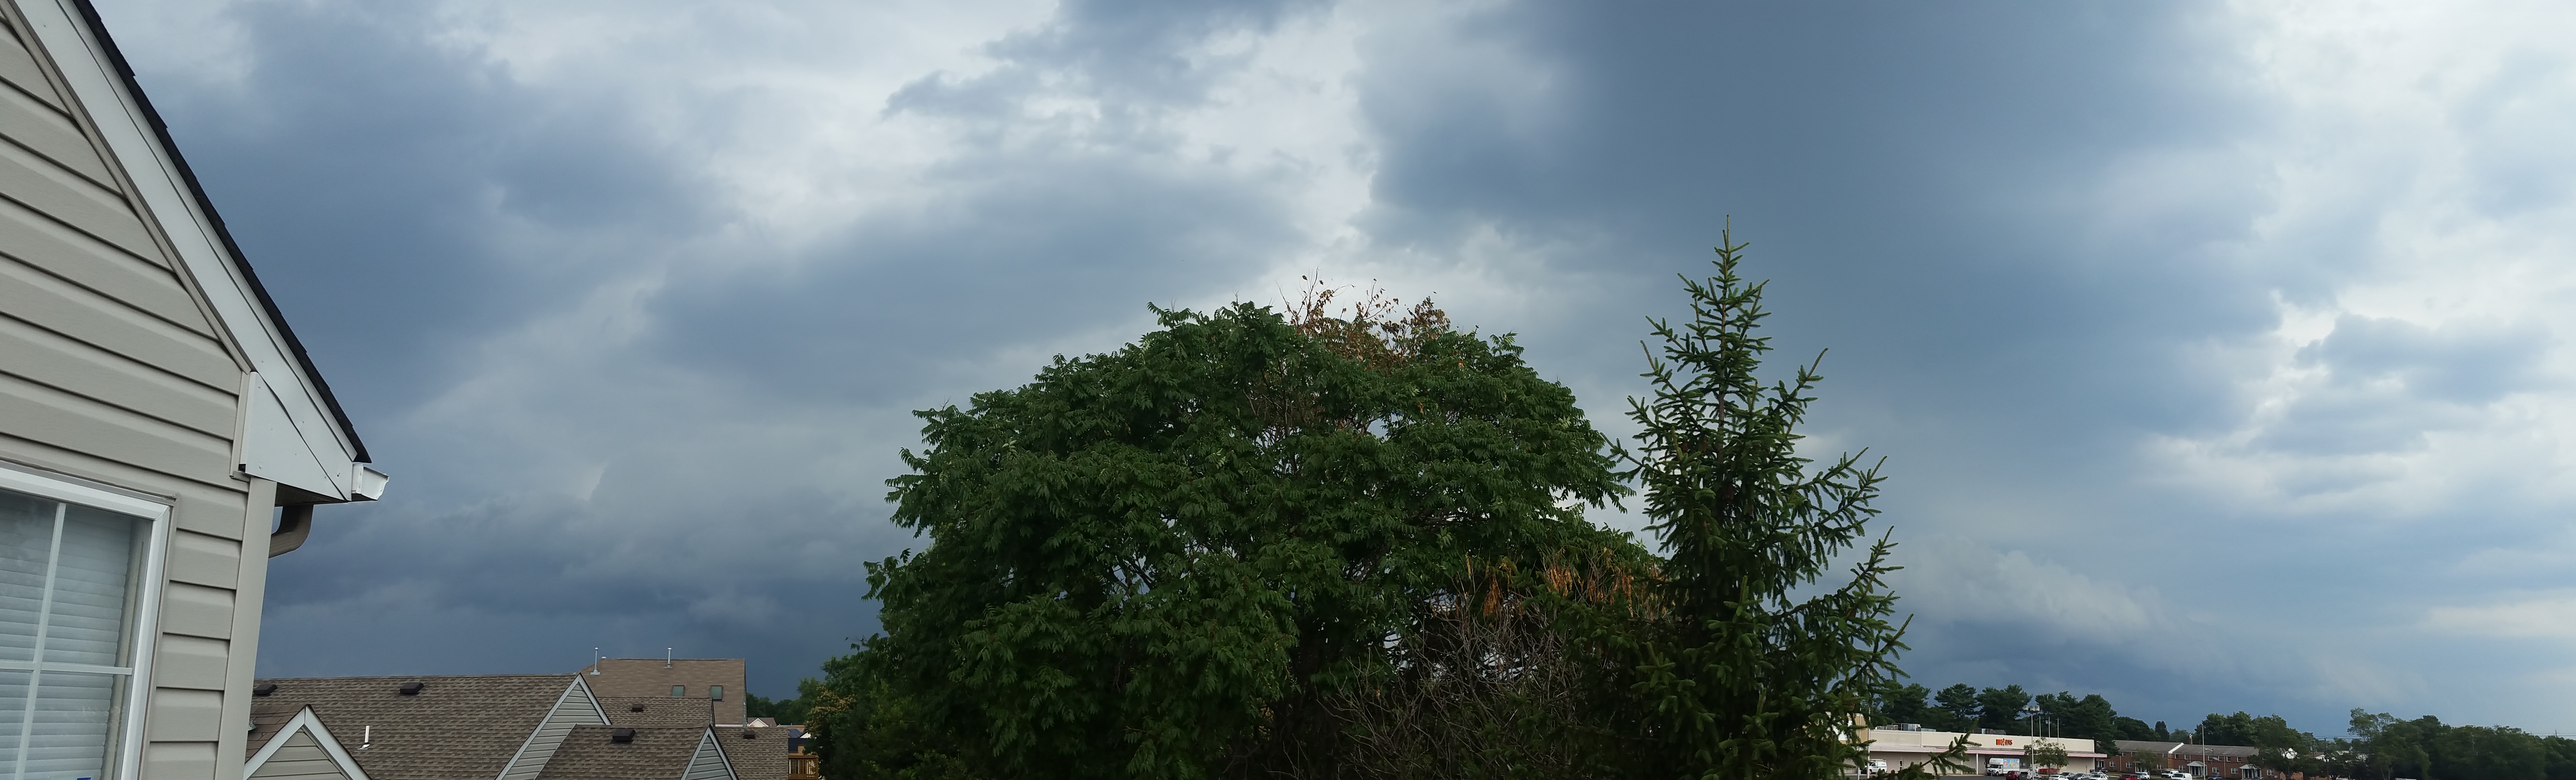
146,636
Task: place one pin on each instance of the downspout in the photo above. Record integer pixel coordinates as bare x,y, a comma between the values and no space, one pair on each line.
293,524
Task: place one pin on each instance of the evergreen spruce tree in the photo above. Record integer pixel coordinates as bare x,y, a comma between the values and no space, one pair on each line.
1736,676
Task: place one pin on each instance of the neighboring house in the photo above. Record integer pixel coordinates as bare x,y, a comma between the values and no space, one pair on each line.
155,412
496,727
717,681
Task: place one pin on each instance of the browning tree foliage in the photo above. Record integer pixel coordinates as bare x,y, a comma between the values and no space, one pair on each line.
1171,560
1487,683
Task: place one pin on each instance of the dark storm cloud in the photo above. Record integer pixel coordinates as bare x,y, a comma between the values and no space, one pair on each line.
1914,178
1900,170
1132,52
633,398
876,314
372,175
1923,185
406,199
475,205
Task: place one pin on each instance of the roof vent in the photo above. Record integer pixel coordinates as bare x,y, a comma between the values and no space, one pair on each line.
263,689
411,689
750,733
622,735
636,707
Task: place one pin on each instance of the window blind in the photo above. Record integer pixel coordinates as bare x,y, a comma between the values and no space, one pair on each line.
26,541
66,590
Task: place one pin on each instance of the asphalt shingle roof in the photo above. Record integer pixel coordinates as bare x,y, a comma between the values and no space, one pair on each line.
658,711
760,757
456,728
656,753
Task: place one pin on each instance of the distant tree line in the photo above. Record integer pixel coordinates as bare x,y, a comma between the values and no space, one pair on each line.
1965,708
2377,746
787,711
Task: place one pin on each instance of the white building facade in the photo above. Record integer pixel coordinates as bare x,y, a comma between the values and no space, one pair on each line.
1905,748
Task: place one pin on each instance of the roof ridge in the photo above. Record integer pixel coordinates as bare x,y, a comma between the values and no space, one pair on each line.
549,675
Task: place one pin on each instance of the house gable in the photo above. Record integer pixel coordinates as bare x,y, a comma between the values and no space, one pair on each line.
130,200
709,763
303,750
577,707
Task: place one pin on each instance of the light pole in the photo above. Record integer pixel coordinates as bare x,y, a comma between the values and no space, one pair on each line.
2030,714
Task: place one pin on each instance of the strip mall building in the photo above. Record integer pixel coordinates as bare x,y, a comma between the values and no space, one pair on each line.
1902,748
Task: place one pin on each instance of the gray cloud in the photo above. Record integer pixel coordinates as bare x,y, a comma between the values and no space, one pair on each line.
362,152
635,300
2390,382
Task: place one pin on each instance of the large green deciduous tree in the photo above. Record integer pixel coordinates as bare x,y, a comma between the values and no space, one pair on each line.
1169,560
2046,753
1738,675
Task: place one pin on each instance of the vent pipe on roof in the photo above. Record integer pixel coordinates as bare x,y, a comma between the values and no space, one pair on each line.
666,658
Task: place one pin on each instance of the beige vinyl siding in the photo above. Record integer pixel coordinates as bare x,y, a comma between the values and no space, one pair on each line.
60,363
191,662
709,762
43,412
33,296
178,760
104,350
86,205
46,130
574,708
301,758
145,282
184,715
18,67
111,370
199,559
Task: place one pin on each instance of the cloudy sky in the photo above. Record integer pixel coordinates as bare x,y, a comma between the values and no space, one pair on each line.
2215,348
